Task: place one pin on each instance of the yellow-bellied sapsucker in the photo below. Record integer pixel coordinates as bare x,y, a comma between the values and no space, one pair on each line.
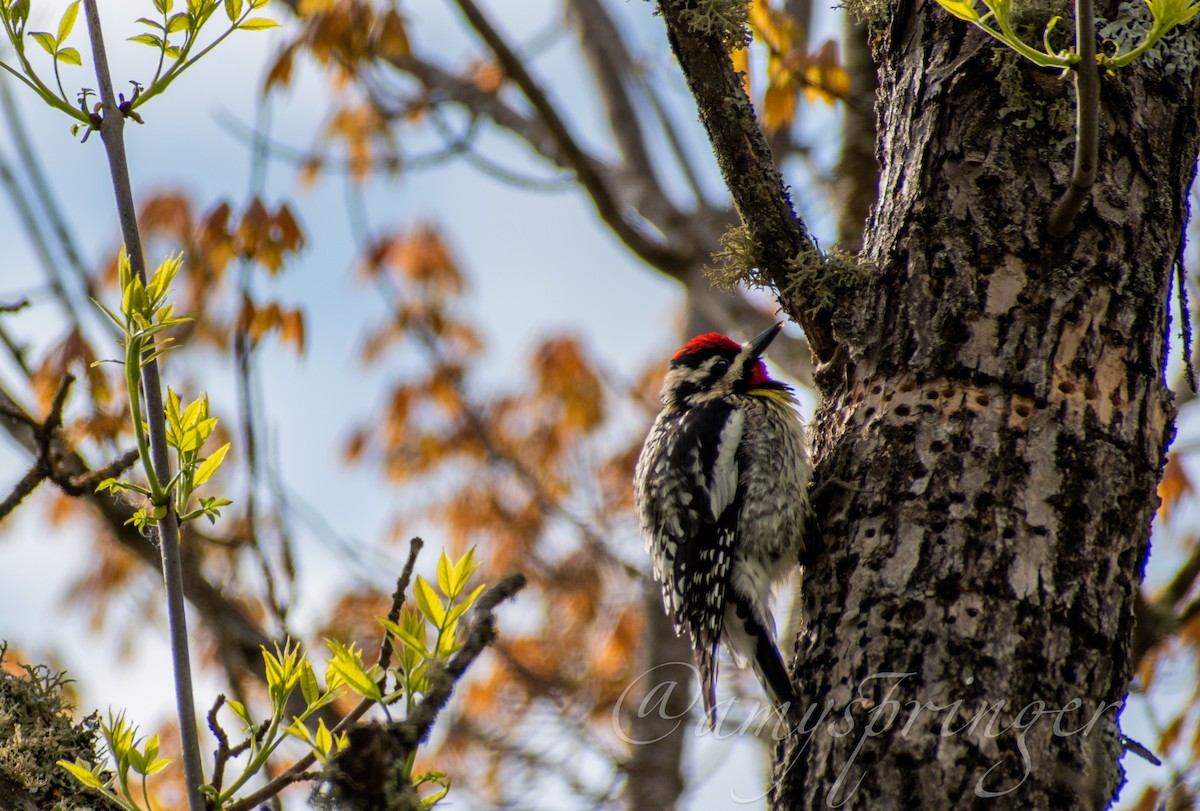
722,494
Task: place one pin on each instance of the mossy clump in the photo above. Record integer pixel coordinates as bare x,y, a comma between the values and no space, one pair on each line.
819,282
37,729
823,282
737,262
727,19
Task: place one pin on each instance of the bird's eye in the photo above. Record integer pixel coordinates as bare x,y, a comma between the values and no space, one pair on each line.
721,364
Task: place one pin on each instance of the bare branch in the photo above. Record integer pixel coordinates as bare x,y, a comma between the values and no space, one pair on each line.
668,259
746,163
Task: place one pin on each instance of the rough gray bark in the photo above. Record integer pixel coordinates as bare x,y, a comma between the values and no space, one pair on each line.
992,441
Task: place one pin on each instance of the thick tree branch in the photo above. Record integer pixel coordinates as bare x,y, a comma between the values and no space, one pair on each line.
613,69
667,259
746,163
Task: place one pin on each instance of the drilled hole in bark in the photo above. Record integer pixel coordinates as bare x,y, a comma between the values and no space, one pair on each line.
1008,533
870,412
1090,391
937,446
1022,410
985,270
932,394
876,389
938,526
1066,387
907,386
983,399
903,411
869,532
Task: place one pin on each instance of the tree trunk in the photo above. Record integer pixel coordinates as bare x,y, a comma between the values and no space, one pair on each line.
990,439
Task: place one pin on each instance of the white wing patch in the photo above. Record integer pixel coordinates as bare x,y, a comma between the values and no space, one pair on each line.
723,487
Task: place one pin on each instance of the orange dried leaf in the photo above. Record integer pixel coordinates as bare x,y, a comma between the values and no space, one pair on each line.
291,330
1173,486
1170,735
354,446
1149,799
289,235
487,76
280,72
779,107
391,38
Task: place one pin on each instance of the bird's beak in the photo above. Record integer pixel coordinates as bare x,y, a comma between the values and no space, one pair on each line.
759,343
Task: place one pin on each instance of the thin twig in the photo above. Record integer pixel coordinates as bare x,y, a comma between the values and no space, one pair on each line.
1185,318
223,752
385,647
44,434
1087,124
112,133
21,490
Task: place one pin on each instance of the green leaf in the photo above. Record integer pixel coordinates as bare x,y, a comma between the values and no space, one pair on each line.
47,41
445,575
239,709
411,641
233,9
308,683
151,23
347,664
70,56
274,670
67,22
429,602
82,773
463,569
137,760
179,22
195,412
323,739
209,466
299,730
258,24
151,747
963,9
158,765
164,6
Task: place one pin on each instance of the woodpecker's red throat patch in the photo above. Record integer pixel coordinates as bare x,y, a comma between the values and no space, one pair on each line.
709,342
758,375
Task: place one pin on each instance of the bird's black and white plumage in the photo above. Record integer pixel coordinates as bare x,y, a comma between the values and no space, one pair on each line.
722,494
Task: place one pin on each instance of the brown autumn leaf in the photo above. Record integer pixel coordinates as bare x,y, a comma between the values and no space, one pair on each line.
487,76
390,38
1173,486
1170,735
280,72
562,372
1149,801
